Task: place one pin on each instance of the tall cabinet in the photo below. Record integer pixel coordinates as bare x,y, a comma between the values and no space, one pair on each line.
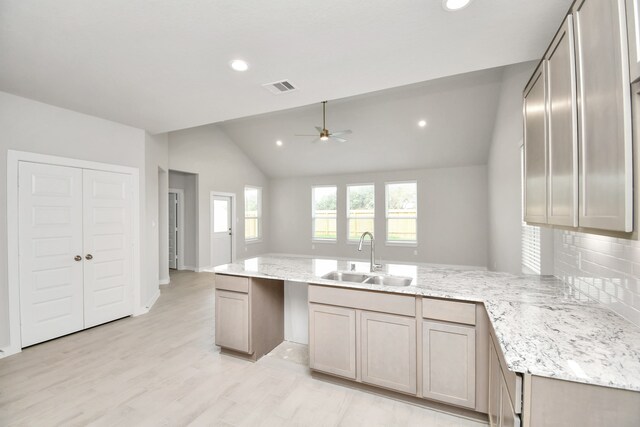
577,116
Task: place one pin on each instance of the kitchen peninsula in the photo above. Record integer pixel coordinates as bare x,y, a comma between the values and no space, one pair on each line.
530,342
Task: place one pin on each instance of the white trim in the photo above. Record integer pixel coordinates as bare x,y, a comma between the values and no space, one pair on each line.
153,300
165,281
234,222
201,269
13,159
180,196
188,267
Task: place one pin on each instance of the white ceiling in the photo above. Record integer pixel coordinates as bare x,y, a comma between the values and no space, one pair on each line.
460,112
163,64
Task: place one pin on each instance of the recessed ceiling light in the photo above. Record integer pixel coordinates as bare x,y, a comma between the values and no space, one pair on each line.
239,65
279,143
422,123
453,5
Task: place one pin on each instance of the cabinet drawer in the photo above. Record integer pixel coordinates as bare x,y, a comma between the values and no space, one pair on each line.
449,311
364,300
232,283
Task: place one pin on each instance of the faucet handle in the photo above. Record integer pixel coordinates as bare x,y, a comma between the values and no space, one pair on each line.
353,266
377,266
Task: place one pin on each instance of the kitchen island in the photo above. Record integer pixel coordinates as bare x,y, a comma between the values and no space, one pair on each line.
542,331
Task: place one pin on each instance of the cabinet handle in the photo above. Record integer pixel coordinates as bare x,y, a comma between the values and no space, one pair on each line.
77,258
89,256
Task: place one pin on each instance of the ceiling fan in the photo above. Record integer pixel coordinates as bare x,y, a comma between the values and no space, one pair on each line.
325,135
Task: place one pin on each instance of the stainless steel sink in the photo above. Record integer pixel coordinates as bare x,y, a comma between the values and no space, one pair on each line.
389,280
385,280
341,276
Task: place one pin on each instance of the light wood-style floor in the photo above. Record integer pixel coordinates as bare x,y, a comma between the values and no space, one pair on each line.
163,369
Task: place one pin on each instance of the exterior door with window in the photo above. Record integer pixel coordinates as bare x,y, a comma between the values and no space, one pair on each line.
221,230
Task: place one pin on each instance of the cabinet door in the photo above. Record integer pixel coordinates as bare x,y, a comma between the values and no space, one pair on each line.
232,321
563,133
633,20
508,416
449,363
604,115
535,149
495,386
332,340
389,351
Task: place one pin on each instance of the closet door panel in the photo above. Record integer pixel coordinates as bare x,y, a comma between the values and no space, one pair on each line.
108,251
50,239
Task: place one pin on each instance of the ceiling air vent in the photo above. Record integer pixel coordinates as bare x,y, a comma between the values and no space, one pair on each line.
283,86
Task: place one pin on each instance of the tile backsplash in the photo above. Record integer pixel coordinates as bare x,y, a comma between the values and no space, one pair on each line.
605,269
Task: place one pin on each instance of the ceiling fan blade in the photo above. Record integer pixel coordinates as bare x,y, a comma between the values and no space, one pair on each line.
315,140
298,134
319,129
342,132
335,138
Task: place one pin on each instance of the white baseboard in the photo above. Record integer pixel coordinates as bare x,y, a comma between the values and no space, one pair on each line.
9,351
165,281
188,267
153,299
201,269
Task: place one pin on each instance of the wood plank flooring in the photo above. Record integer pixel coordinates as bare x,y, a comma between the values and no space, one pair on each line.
163,369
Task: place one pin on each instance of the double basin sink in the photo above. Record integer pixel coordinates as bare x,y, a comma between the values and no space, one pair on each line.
374,279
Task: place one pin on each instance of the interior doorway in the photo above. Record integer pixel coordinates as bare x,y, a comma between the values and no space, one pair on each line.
176,229
222,228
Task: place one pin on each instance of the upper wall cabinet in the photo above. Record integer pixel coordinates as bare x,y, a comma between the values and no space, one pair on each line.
577,116
535,148
604,115
633,20
562,208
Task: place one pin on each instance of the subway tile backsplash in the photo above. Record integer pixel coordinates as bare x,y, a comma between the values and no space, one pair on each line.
605,269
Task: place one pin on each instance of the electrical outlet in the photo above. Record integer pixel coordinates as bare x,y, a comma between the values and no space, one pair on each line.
415,252
579,260
245,249
313,246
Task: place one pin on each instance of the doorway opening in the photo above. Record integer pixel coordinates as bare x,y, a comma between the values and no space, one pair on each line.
183,216
223,221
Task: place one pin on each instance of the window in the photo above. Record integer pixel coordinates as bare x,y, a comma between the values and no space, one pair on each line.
360,210
252,213
402,212
324,212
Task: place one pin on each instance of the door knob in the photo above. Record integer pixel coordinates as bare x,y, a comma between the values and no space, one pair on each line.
89,256
78,258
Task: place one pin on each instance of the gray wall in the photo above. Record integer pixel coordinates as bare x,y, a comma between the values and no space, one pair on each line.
221,166
156,265
452,216
40,128
505,176
188,183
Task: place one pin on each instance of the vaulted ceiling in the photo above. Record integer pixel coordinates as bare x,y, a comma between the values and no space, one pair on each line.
459,112
164,65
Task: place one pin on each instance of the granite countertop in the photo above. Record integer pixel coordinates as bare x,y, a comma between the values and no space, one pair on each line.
542,326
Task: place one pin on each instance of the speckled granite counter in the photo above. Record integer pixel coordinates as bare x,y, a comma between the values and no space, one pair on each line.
541,325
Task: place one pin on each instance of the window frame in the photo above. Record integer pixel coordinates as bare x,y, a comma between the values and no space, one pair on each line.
315,239
373,217
409,243
258,238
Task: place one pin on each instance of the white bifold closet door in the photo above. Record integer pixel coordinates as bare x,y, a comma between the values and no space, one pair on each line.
108,278
75,240
50,230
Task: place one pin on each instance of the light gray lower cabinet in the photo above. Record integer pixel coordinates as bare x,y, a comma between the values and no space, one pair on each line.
449,363
332,340
495,386
508,416
389,351
232,321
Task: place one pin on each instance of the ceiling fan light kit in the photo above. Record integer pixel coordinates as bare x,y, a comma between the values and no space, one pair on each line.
324,134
